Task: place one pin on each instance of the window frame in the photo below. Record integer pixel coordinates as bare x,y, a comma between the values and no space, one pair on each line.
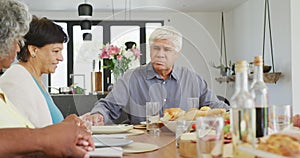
106,24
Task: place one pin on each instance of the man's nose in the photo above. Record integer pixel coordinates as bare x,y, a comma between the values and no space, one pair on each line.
161,53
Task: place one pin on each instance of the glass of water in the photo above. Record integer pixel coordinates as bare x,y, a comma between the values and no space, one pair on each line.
280,117
152,118
193,102
181,128
209,136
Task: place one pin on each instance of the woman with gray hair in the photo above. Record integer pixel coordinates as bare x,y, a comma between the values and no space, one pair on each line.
14,24
21,138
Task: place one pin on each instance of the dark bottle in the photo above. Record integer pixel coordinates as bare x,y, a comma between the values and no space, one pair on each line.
259,92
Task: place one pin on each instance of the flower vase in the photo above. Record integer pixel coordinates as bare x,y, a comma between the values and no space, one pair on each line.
118,70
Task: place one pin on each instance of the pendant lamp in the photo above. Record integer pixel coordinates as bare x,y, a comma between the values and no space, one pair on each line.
85,10
87,36
85,25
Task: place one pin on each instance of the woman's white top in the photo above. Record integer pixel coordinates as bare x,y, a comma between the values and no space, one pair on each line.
21,89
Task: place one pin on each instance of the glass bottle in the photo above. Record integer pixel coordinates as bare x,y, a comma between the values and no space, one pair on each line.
242,114
259,91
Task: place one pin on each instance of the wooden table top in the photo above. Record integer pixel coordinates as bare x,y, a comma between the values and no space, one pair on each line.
166,143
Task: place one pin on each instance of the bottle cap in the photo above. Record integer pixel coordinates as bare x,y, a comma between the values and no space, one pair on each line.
241,65
258,61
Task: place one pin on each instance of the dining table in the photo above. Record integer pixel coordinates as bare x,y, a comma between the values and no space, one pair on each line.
165,141
145,145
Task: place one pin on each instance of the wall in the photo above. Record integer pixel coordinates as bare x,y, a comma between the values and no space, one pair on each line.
201,33
246,42
295,36
244,27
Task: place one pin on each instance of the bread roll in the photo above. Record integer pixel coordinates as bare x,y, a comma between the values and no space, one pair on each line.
204,108
285,144
190,115
216,112
173,113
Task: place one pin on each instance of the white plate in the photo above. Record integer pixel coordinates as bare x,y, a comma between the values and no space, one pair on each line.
137,147
143,123
115,152
111,129
110,142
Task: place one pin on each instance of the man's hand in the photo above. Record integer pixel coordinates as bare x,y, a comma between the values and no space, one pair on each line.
65,139
97,119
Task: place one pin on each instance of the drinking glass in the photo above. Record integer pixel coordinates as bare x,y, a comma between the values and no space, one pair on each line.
152,118
280,117
209,136
193,102
181,128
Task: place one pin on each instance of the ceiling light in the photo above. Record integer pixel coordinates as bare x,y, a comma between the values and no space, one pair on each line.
87,36
86,25
85,10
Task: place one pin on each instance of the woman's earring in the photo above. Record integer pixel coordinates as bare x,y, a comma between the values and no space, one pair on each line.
32,54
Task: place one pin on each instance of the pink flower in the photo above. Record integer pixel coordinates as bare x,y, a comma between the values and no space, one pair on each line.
104,54
114,50
119,57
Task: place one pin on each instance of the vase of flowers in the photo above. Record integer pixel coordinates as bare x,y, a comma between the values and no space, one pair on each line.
118,59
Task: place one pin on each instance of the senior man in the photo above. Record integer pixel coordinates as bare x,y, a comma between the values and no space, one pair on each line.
160,81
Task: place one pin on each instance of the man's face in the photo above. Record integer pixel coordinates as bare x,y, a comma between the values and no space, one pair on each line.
163,55
10,58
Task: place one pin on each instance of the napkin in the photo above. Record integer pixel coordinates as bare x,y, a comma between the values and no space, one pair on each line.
112,152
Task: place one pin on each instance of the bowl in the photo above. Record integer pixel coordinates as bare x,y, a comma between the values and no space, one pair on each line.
267,68
171,125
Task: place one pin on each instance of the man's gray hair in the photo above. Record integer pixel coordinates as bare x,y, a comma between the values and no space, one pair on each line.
169,33
14,24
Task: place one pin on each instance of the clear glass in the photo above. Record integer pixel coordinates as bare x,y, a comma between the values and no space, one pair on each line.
259,91
209,137
242,115
193,102
280,117
181,128
152,118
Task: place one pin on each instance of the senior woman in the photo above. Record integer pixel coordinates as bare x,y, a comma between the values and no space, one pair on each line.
22,82
16,140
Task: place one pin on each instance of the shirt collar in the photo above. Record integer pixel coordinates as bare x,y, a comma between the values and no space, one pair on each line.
152,74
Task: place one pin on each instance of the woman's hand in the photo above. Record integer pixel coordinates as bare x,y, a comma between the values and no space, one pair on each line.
65,139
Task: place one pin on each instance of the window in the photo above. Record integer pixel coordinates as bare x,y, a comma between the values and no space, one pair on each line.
78,58
59,78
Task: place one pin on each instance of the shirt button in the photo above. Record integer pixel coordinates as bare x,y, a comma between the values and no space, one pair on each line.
165,100
164,82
